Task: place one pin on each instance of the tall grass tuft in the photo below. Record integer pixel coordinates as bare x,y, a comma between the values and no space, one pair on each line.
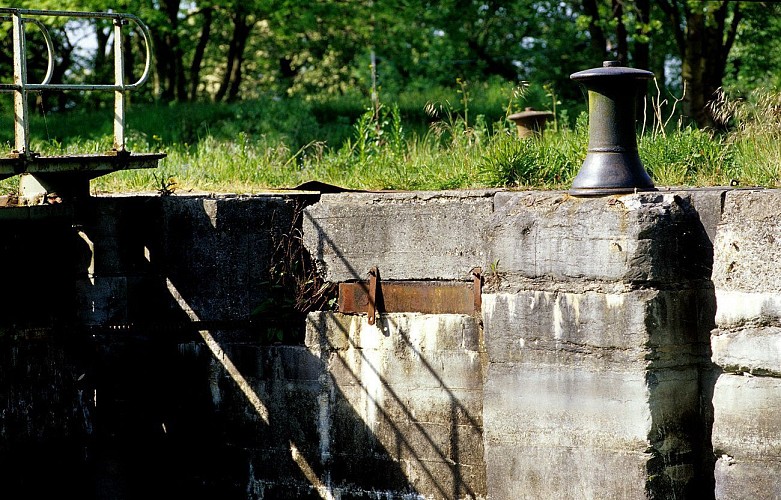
549,161
756,140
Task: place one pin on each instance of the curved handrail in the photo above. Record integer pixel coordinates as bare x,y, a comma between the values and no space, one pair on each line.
21,87
49,51
5,15
148,51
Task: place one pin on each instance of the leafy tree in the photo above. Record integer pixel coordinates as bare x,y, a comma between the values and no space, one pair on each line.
234,49
754,60
704,33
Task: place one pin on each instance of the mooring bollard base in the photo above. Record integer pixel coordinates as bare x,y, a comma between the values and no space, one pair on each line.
612,164
608,191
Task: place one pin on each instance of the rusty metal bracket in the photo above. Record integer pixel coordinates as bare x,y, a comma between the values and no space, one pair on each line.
374,285
477,274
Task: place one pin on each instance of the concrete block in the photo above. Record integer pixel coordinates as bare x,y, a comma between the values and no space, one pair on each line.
752,350
746,423
327,331
428,405
408,351
565,433
394,332
429,332
517,325
407,235
741,479
444,480
666,327
428,442
411,387
538,417
640,237
122,230
565,407
708,202
217,252
747,437
740,307
748,242
530,473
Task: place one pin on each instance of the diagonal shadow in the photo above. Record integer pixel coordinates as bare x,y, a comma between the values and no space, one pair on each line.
323,238
447,453
236,417
457,409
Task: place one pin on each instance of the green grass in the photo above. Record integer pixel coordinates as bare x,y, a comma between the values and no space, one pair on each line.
459,139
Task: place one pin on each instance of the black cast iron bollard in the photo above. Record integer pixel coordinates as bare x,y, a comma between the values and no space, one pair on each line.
612,164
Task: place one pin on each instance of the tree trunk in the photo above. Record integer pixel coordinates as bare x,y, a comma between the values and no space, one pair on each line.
102,35
128,55
162,56
200,50
598,40
704,43
168,60
231,79
180,79
642,51
622,46
62,63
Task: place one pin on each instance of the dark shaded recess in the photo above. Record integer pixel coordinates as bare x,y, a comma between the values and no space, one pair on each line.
137,406
683,243
46,429
39,260
169,420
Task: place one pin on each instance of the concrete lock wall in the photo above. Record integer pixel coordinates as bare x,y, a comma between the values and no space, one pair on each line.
626,347
596,318
747,347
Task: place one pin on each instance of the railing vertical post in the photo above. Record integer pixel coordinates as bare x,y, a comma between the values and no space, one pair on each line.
21,125
119,94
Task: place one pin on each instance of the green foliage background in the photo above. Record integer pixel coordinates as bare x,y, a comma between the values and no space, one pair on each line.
264,94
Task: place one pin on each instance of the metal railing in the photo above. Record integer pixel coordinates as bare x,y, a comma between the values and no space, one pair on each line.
21,87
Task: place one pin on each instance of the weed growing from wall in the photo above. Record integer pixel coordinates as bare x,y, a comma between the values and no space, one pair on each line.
294,286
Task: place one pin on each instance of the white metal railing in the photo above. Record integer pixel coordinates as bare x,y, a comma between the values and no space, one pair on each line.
21,87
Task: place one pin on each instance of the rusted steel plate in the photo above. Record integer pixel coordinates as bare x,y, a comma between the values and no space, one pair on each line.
428,297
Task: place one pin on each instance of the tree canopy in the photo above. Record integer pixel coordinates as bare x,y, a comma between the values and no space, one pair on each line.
237,49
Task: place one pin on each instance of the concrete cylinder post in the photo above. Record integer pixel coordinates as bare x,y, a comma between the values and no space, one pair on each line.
612,165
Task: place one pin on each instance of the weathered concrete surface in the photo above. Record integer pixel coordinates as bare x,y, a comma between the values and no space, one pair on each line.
591,376
748,243
596,320
596,335
598,329
415,383
747,437
418,235
565,432
610,239
752,350
709,203
747,347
